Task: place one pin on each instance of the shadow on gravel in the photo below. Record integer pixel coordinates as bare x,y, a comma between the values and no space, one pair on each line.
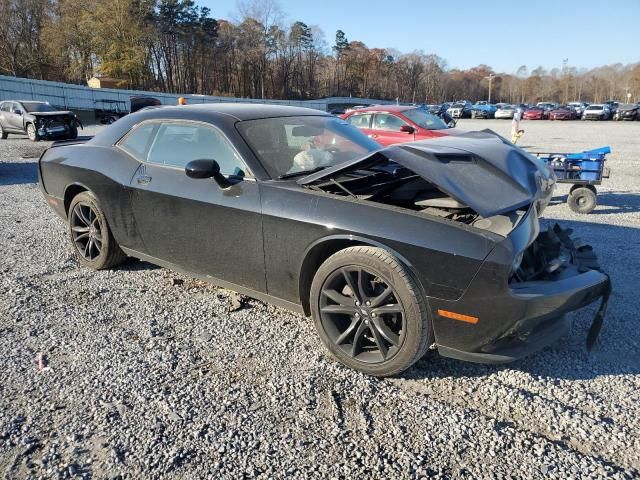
615,353
613,202
18,173
135,265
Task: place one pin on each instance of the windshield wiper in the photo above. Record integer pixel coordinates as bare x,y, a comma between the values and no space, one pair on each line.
301,172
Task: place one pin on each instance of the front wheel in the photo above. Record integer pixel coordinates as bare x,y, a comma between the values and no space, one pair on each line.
90,235
582,200
32,133
369,312
3,134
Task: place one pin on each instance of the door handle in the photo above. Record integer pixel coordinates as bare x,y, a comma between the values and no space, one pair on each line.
143,179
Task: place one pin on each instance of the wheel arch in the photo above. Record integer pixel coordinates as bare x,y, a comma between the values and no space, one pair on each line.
323,248
70,192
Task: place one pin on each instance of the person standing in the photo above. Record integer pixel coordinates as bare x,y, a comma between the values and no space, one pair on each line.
516,132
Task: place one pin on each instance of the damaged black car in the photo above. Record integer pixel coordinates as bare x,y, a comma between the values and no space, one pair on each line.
37,120
390,251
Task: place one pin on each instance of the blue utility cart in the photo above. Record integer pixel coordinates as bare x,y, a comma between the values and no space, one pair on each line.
584,170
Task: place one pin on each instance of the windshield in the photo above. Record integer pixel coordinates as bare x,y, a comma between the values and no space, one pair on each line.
38,107
290,145
425,119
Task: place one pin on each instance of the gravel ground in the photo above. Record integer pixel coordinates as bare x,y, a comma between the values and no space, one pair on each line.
150,374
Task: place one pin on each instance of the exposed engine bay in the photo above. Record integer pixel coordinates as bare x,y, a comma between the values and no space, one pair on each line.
53,125
392,184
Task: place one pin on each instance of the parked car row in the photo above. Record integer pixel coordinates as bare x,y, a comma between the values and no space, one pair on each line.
541,111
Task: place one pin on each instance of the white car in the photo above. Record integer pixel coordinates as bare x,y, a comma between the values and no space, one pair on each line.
597,111
578,107
506,111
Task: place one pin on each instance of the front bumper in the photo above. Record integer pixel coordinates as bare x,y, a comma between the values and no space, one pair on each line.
529,314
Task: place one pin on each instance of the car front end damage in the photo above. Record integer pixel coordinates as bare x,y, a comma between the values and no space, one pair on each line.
60,125
537,286
515,303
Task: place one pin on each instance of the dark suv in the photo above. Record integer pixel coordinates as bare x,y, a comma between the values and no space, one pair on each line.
38,120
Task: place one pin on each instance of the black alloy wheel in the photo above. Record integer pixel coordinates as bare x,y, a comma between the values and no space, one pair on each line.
86,231
90,235
361,314
369,311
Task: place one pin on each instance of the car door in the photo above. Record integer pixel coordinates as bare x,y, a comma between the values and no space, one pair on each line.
14,117
4,111
362,121
193,223
386,129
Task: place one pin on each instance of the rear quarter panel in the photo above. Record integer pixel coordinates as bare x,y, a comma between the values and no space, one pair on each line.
106,172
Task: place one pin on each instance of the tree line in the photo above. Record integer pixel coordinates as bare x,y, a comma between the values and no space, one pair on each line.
178,46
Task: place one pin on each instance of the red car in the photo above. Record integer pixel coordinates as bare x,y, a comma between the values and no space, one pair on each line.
534,114
389,124
562,113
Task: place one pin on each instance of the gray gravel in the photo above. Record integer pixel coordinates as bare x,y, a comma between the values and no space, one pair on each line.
149,374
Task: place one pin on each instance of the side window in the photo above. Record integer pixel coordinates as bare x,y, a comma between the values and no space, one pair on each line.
385,121
360,121
138,141
176,144
4,106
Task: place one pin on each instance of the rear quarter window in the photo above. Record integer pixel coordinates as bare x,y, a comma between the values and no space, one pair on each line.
137,142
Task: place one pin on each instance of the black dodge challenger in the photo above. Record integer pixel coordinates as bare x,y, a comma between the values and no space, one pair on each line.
390,251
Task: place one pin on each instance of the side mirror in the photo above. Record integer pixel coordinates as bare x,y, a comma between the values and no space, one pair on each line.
17,112
407,129
204,168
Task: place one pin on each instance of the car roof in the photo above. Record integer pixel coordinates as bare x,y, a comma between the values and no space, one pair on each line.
385,108
244,111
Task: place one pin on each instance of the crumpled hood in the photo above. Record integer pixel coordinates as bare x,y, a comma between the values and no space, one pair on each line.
479,169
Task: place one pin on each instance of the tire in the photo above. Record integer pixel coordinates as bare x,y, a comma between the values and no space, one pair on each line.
3,134
73,133
32,133
582,200
111,120
385,338
90,235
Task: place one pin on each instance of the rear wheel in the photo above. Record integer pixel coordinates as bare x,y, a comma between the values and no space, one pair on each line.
369,312
90,235
32,133
582,200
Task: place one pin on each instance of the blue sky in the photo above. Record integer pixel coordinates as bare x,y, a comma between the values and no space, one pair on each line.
503,34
